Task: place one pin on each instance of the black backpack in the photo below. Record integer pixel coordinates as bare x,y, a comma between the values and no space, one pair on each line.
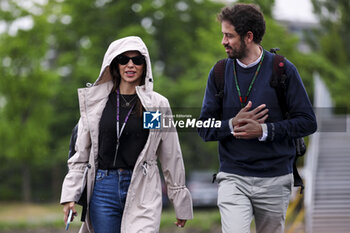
73,140
278,82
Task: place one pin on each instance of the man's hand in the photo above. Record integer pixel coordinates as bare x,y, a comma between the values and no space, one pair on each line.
246,124
259,114
249,129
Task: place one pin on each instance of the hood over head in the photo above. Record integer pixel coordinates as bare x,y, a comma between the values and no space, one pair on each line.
130,43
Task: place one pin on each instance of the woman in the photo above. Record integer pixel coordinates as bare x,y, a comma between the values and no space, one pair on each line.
116,159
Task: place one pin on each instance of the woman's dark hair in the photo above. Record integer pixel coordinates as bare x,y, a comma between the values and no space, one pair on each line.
245,18
115,73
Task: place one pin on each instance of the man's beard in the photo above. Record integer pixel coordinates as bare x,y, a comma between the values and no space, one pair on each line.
239,53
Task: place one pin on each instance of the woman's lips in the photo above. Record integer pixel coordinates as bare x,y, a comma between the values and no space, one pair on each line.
130,73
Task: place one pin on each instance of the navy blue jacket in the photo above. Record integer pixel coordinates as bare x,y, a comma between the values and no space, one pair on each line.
273,157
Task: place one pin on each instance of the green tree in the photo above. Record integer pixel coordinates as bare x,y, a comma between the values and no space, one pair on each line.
265,5
335,31
332,43
26,88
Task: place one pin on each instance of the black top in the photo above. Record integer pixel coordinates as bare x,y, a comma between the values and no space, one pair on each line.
133,137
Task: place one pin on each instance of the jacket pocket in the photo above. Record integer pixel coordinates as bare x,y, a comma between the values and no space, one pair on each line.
151,191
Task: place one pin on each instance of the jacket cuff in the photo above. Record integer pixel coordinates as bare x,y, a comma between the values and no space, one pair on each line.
270,132
182,201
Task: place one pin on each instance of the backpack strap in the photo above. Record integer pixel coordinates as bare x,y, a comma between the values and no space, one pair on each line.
219,80
219,77
278,82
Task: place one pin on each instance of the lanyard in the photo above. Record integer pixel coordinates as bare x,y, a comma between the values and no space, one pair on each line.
119,132
243,102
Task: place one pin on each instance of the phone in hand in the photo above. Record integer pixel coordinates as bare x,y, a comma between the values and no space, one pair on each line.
69,219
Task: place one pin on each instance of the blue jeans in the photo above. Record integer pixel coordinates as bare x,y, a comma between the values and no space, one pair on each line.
108,200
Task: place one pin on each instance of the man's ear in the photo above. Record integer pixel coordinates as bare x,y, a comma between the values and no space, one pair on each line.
249,37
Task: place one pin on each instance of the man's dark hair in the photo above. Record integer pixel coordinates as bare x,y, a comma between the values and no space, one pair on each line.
245,18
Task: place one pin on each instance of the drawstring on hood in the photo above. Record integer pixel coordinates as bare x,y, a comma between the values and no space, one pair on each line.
131,43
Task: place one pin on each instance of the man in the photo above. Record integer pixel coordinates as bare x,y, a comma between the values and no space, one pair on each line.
256,146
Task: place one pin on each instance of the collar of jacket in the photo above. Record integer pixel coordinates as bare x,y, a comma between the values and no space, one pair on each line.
89,96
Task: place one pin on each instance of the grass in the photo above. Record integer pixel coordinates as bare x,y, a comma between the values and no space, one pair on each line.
16,216
31,216
204,220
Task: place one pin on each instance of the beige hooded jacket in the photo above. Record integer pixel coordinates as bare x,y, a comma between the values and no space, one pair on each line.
144,199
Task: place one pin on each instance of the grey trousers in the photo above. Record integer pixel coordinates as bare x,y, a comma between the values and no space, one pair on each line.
242,197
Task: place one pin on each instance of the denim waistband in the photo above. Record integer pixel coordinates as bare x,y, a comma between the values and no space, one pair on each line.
115,171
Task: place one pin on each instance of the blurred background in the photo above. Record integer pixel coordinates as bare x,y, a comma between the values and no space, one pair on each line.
48,49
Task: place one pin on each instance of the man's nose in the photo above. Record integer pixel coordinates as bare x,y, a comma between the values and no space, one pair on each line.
224,40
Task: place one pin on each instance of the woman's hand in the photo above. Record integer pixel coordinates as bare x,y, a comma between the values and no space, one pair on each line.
69,206
180,222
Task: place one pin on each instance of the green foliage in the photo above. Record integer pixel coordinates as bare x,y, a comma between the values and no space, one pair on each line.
265,5
26,88
23,84
333,45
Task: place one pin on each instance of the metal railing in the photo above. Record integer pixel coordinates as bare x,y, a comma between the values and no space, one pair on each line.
327,170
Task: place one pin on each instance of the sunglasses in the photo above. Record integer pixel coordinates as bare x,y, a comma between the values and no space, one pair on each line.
138,60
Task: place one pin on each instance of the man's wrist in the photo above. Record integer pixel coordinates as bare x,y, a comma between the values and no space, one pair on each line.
264,134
